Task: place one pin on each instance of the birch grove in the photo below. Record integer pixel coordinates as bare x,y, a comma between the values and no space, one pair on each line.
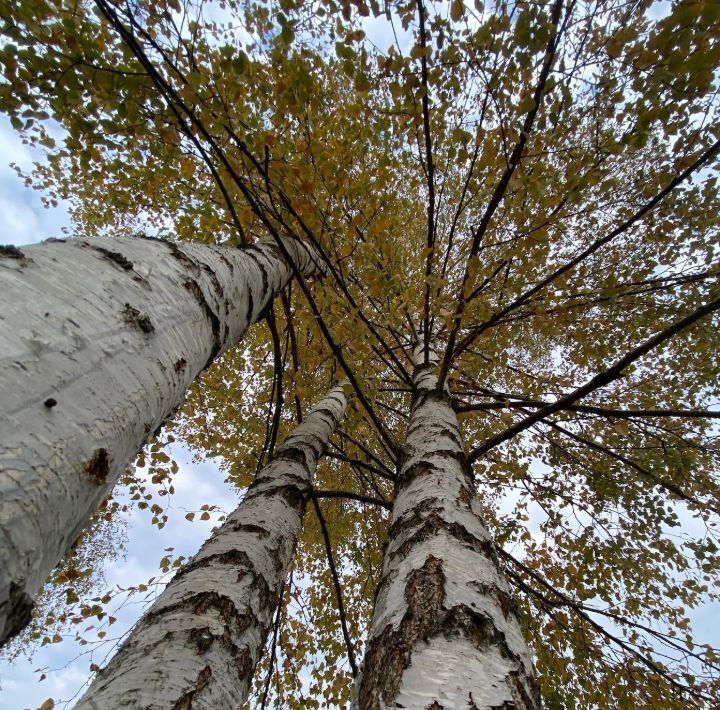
514,209
101,338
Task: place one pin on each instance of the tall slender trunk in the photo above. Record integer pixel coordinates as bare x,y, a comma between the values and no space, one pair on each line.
200,641
444,633
99,340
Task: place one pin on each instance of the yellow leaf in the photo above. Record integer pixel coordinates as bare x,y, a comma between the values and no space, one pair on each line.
622,428
457,10
526,105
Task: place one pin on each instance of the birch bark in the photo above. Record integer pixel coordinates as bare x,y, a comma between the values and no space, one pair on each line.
198,645
99,340
444,632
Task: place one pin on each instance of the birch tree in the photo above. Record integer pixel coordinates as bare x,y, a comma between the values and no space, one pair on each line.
530,188
210,623
444,630
91,372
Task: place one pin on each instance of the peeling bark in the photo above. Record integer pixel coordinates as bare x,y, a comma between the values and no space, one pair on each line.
100,339
444,633
198,645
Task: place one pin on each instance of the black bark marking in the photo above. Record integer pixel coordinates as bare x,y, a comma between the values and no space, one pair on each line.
180,365
50,402
326,411
120,260
528,692
420,467
296,454
215,281
194,288
229,613
238,561
20,612
227,262
294,495
187,261
251,305
389,654
98,467
279,479
234,558
506,603
407,475
9,251
219,290
186,701
244,664
453,435
140,320
440,427
253,529
429,526
265,278
202,638
258,261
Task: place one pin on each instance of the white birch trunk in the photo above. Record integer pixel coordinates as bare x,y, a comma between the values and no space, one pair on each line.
198,645
444,632
99,340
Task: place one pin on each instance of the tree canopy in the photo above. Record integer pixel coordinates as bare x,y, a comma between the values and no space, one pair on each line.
530,187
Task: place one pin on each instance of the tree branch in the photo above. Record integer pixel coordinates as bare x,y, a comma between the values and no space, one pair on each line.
602,411
336,583
354,496
612,373
710,153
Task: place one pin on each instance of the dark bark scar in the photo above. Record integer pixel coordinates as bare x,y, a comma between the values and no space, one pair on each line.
140,320
9,251
98,467
186,701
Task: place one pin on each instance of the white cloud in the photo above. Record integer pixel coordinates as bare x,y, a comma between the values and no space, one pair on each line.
23,219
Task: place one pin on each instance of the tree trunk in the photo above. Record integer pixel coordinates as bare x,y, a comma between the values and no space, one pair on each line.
444,633
200,641
100,340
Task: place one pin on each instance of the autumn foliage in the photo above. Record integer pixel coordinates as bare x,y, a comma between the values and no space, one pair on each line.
535,184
